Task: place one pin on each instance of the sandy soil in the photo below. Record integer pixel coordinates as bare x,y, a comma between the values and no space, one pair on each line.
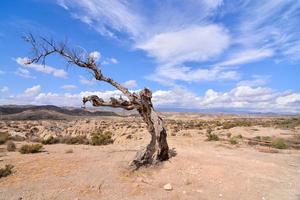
201,170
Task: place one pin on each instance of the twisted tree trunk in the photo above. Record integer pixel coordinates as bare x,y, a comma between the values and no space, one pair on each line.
157,150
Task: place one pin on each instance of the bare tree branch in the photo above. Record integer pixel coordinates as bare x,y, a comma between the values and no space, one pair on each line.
158,149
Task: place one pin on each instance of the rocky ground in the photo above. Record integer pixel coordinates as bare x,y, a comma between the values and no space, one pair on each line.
200,170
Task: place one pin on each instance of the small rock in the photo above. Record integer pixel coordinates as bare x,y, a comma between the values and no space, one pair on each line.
184,192
168,187
220,195
200,191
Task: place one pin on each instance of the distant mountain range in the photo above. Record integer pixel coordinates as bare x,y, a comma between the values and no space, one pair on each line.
32,112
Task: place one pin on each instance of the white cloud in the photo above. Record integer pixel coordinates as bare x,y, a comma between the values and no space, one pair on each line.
130,84
69,87
4,89
255,81
289,99
24,73
114,60
247,56
96,55
193,75
33,90
86,81
42,68
246,98
196,43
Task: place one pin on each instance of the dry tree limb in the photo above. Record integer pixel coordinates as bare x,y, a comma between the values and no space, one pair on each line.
157,150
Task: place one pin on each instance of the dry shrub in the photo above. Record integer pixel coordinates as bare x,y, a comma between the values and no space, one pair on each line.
279,143
74,140
10,145
30,148
7,170
3,137
51,140
211,136
100,138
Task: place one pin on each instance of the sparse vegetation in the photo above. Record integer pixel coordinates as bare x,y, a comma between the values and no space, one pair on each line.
233,140
100,138
30,148
231,124
51,140
211,136
80,139
10,146
4,137
279,143
6,171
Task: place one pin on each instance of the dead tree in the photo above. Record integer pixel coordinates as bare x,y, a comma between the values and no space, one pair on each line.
157,150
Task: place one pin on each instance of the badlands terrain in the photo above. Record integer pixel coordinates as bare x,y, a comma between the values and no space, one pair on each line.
217,156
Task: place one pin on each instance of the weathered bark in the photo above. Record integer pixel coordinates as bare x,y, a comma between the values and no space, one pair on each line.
157,150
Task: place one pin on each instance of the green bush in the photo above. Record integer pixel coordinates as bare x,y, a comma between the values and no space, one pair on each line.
279,143
7,170
3,137
74,140
51,140
100,138
30,148
233,140
10,145
211,136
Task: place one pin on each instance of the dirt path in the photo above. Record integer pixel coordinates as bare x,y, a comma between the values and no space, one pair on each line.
201,170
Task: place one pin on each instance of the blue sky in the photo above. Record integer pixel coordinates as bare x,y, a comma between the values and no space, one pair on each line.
210,54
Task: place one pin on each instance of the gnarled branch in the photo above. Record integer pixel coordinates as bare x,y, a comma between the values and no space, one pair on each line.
115,103
158,149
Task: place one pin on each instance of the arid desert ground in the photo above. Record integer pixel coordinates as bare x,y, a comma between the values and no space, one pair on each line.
217,157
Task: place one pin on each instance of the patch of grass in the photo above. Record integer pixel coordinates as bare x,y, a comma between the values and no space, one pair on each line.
231,124
51,140
30,148
3,137
233,140
279,143
10,145
6,171
211,136
100,138
263,138
74,140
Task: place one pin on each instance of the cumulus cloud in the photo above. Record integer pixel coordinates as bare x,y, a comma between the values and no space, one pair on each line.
130,84
83,80
69,87
191,31
42,68
178,47
96,55
32,91
242,98
114,60
24,73
4,89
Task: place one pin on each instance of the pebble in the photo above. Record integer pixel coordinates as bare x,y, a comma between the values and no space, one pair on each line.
168,187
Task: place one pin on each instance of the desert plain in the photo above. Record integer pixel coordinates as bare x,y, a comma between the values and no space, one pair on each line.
214,156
